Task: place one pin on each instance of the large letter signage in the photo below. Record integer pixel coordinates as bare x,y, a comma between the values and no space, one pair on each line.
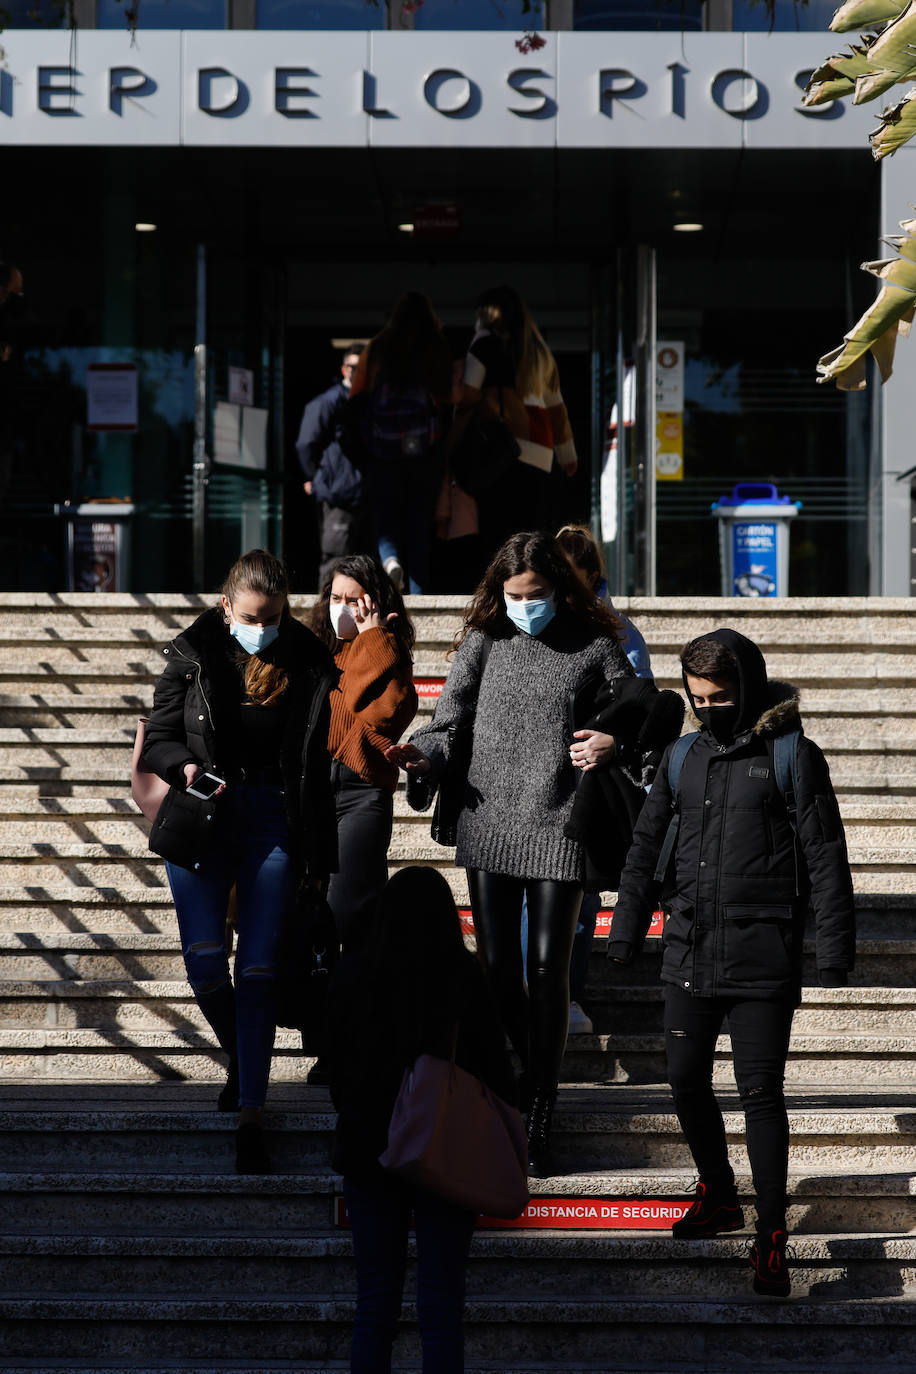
316,88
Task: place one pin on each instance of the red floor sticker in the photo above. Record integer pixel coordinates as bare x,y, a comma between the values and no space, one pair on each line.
429,688
602,925
578,1214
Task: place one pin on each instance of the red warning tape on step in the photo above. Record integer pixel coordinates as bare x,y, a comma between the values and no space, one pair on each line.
577,1214
602,924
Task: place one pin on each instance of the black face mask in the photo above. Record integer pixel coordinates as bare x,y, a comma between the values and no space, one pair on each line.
720,721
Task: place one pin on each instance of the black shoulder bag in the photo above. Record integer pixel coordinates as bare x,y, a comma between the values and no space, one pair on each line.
484,450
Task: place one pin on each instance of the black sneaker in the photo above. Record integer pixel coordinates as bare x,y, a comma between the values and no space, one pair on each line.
709,1214
768,1260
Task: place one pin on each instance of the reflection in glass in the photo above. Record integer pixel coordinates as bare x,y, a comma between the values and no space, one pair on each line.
643,15
320,14
790,17
479,14
163,14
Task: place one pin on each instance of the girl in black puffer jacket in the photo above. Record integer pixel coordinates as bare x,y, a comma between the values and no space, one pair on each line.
244,696
743,879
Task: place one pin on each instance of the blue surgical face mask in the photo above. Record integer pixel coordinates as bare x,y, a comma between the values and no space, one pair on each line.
531,616
253,638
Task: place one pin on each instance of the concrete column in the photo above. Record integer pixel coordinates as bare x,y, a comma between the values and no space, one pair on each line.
898,399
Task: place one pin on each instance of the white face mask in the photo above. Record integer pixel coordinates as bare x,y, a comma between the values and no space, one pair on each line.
342,621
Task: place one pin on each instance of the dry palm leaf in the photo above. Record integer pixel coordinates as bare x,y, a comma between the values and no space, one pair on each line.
864,14
898,125
891,58
890,314
838,75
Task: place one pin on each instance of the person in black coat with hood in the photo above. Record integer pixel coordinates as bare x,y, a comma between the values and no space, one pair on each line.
244,696
743,878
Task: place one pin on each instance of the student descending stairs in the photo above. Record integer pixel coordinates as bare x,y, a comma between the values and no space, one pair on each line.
127,1241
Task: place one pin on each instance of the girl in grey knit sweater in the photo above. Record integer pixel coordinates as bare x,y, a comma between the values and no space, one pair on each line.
533,647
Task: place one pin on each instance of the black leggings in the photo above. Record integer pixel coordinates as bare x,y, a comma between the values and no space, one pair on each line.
536,1020
759,1033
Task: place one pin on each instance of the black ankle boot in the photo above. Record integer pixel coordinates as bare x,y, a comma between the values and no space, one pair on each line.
540,1120
768,1260
228,1100
251,1155
710,1213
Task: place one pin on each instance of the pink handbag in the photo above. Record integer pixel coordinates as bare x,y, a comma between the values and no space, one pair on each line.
452,1136
148,790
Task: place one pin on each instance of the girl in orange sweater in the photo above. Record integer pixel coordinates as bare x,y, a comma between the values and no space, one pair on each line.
360,617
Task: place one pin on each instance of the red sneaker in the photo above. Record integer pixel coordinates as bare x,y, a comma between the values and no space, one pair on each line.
768,1259
709,1215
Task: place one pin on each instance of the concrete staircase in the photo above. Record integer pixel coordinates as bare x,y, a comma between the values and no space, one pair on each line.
127,1242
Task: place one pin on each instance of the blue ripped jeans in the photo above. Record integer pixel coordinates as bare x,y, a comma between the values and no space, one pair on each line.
252,851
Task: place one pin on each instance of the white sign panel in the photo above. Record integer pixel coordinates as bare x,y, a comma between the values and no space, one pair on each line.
238,88
462,92
241,386
274,89
111,396
102,91
669,375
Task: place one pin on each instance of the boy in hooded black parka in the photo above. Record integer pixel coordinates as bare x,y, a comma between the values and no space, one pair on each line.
741,883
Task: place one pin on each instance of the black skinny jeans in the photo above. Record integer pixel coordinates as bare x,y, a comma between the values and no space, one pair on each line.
536,1020
759,1033
364,819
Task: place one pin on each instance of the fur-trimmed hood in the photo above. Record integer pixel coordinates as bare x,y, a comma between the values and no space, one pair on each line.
765,707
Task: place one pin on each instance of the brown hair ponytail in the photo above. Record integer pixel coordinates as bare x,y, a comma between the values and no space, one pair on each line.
262,573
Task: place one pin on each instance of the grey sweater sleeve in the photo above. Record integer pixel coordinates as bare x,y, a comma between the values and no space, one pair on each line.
455,707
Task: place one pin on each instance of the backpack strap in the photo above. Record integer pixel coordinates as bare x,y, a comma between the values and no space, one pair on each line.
785,766
679,751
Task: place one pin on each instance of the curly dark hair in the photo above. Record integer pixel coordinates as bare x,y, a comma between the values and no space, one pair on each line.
370,575
537,552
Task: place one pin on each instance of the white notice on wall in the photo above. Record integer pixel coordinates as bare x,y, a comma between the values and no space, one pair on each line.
111,396
669,375
241,386
254,437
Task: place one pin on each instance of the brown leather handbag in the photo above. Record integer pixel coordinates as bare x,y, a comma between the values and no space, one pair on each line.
148,790
451,1135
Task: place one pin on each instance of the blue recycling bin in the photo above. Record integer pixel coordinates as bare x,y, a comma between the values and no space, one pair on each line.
754,527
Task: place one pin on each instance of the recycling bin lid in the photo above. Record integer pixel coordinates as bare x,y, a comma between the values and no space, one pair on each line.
754,494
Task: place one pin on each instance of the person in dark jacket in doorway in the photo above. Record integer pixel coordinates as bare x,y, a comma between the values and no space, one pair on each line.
331,475
741,880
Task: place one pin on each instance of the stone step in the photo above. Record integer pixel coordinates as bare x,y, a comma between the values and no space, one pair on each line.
839,1132
150,1002
77,1207
122,664
104,864
287,1264
633,1057
849,1333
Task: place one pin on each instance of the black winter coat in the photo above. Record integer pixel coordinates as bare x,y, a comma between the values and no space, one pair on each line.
742,885
608,801
192,712
324,450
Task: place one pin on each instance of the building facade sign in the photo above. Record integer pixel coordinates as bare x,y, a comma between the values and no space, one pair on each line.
397,90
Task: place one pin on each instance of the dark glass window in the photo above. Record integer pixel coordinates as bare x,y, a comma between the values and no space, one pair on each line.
479,14
751,16
639,14
164,14
30,14
320,14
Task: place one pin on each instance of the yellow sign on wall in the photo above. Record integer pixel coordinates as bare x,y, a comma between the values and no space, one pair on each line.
669,446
